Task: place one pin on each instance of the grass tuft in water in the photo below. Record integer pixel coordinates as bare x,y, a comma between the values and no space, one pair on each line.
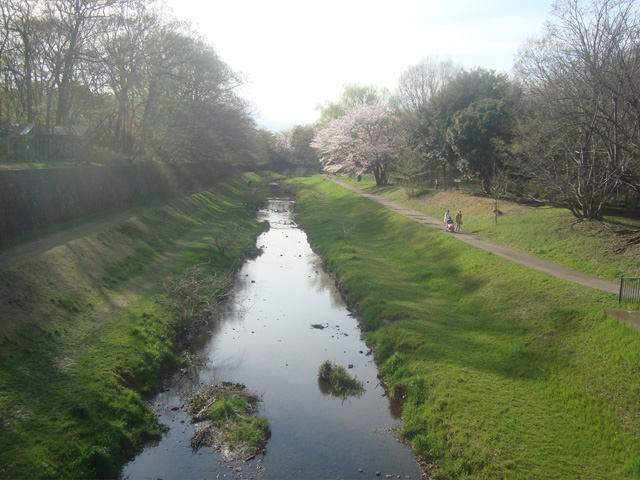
339,380
225,415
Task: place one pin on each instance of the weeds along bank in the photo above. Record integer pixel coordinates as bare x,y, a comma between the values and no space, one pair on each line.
86,330
503,372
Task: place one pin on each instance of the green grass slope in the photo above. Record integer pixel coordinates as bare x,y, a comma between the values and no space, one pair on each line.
86,331
503,372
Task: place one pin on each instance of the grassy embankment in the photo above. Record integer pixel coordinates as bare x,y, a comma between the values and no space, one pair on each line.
504,372
606,249
86,331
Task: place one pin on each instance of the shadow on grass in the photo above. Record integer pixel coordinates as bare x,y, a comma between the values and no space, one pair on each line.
420,290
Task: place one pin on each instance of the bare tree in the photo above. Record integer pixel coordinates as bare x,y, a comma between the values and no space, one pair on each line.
21,37
6,17
419,83
498,186
78,22
125,42
145,86
581,83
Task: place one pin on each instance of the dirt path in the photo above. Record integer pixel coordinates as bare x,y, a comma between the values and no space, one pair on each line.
503,251
15,255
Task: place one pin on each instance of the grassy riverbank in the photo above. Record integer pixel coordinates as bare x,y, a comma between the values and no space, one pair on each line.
504,372
86,331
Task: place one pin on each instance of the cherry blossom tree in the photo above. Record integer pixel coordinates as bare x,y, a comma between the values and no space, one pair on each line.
365,139
283,138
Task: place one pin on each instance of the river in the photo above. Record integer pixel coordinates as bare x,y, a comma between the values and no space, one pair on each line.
270,340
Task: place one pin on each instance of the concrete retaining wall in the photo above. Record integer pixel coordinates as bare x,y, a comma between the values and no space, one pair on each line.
32,199
630,317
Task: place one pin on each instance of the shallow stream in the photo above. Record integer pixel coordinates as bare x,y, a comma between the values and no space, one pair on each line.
271,341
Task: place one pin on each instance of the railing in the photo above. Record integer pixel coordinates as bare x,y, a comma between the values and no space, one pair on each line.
424,181
629,289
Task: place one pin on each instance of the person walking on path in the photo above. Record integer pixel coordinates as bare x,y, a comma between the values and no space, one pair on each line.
458,220
447,218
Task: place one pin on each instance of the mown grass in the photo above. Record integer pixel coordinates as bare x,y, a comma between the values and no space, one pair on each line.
602,249
503,372
86,333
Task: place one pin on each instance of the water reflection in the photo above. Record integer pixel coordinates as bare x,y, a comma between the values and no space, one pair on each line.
268,342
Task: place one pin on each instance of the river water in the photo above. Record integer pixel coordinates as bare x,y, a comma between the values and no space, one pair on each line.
269,340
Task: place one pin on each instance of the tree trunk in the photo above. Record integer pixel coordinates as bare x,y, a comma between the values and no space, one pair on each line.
634,205
64,89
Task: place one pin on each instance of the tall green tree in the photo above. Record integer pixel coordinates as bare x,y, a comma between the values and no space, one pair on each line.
445,125
295,145
352,96
481,136
301,139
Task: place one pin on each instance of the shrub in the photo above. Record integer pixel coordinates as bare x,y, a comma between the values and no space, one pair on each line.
197,293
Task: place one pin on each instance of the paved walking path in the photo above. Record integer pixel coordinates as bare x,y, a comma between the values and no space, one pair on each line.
503,251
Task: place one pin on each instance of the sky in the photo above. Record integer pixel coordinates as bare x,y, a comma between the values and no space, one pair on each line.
295,55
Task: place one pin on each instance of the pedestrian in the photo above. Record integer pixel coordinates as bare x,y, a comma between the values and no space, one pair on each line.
447,218
458,220
436,183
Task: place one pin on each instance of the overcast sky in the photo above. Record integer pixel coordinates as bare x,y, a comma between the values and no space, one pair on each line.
298,54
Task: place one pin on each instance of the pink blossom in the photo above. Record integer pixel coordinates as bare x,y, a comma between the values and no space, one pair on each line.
364,139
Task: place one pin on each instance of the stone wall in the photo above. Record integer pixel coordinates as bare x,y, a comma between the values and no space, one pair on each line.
33,199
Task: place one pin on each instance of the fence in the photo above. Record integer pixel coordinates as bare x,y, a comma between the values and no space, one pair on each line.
629,289
423,181
29,143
